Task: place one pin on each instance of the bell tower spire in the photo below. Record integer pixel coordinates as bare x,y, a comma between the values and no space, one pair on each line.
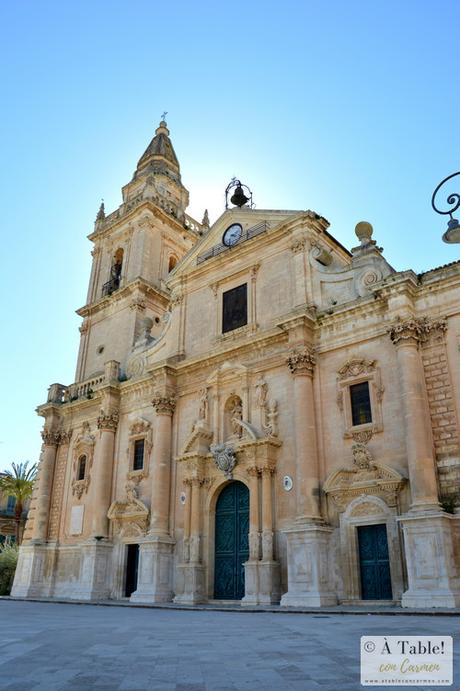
157,175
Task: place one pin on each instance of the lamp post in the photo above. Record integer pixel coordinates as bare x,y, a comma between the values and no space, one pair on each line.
452,233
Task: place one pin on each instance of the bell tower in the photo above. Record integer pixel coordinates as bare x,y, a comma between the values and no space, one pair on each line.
135,248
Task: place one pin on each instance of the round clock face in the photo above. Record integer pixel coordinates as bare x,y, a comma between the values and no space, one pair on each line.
232,234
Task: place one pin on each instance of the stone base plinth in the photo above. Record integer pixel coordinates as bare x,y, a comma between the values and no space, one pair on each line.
432,562
95,571
34,575
309,567
261,583
193,578
155,570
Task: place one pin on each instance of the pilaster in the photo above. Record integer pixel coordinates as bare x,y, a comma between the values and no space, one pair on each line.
432,563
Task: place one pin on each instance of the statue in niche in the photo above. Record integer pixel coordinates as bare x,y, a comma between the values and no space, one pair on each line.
236,417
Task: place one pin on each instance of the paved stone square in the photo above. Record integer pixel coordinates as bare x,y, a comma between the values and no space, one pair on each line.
47,646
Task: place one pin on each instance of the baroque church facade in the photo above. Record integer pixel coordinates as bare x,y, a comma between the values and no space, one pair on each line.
259,415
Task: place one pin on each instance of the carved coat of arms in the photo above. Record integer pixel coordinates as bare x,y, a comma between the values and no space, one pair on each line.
224,458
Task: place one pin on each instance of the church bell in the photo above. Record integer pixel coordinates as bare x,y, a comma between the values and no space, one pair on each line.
239,198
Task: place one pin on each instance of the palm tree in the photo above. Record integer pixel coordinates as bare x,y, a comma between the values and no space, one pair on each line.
18,483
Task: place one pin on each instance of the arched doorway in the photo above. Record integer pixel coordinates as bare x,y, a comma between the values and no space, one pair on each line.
231,541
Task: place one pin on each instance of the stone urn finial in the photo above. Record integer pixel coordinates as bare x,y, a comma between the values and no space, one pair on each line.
364,231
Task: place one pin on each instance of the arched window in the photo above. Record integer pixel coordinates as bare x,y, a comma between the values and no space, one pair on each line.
172,263
117,266
81,468
115,273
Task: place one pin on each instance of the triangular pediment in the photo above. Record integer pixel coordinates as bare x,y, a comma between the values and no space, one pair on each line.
254,223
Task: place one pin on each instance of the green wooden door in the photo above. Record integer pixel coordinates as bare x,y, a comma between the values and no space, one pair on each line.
374,562
231,541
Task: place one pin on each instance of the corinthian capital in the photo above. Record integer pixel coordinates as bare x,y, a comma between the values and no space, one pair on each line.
164,405
107,421
418,329
302,361
50,438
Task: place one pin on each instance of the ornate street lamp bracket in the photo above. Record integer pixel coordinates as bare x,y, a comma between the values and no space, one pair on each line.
452,234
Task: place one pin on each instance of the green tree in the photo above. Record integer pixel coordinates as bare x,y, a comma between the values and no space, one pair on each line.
18,483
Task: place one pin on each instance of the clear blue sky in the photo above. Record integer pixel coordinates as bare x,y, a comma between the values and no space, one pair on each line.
347,108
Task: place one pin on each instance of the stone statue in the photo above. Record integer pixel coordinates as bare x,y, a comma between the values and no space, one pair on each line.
203,412
237,416
261,392
271,426
131,493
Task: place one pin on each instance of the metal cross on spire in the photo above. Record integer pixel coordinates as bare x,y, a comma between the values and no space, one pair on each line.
164,115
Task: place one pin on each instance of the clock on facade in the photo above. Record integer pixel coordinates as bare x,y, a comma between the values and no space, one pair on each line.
232,235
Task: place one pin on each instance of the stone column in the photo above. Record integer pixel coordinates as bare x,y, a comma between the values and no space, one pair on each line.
406,337
195,521
161,473
301,364
96,574
156,549
267,514
34,576
187,517
432,561
308,541
254,528
193,589
269,569
251,567
102,473
45,484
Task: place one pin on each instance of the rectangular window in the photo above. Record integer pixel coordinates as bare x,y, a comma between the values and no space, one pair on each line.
360,403
11,504
235,308
138,462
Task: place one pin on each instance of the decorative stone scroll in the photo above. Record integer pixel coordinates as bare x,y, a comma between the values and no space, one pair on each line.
224,458
302,361
79,487
356,367
164,405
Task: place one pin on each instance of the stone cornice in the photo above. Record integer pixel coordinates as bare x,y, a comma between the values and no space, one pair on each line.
138,284
121,216
400,283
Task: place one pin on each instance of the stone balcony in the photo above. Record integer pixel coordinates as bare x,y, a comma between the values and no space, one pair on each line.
84,390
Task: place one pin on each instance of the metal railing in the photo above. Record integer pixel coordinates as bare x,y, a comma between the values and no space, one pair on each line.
247,234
